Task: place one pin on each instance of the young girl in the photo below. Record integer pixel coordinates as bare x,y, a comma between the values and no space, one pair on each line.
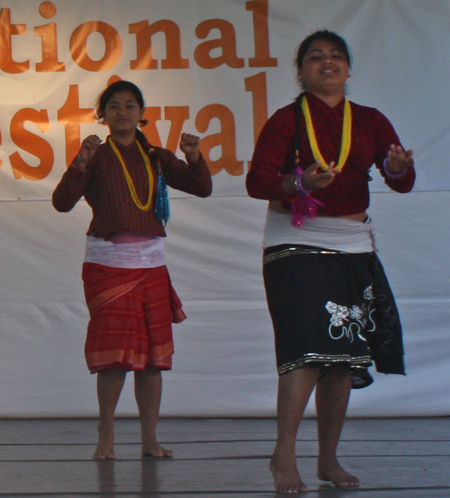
127,286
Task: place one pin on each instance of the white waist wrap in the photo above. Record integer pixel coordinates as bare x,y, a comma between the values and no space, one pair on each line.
145,254
338,234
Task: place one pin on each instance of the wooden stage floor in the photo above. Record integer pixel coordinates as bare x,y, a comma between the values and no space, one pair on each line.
226,458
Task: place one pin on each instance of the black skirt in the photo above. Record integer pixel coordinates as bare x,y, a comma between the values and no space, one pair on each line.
332,309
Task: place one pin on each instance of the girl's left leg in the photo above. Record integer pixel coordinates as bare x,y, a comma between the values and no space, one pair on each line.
148,390
332,397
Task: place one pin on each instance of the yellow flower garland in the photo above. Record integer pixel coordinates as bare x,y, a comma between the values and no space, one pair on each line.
346,141
129,180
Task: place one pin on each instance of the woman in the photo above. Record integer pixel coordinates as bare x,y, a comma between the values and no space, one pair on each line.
127,286
330,303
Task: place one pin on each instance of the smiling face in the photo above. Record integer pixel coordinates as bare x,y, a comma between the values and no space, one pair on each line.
122,114
324,69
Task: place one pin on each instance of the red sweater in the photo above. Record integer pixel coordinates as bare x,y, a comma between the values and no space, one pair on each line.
372,135
104,187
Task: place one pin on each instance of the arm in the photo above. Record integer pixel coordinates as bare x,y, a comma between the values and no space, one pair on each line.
70,189
273,175
74,181
193,176
269,176
395,164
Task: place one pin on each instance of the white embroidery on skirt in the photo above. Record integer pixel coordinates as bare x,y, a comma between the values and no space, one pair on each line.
351,322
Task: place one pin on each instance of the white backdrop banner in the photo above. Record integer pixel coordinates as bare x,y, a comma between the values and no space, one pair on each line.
218,69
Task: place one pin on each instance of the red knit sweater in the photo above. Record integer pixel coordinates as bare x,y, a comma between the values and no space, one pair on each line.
104,187
372,135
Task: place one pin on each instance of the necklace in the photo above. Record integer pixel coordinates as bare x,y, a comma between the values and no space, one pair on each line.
129,180
346,141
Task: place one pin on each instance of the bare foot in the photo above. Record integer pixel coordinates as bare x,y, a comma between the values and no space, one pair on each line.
285,475
333,472
155,450
101,454
105,446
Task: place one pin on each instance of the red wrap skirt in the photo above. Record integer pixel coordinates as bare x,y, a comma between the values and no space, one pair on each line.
131,315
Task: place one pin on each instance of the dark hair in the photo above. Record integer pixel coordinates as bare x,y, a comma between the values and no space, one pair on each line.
118,86
322,35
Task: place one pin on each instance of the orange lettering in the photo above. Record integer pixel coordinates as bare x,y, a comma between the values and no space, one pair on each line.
258,86
50,61
47,10
144,33
71,116
113,79
227,43
177,116
262,57
226,139
113,46
32,144
7,63
152,114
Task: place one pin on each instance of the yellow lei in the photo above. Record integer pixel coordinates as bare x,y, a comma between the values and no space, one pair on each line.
129,180
346,141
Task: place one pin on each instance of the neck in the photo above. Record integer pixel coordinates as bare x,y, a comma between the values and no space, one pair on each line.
124,139
331,99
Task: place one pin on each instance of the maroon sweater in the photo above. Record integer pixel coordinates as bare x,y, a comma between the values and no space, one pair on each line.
105,190
372,135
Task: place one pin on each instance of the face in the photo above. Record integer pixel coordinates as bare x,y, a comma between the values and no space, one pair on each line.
324,68
122,113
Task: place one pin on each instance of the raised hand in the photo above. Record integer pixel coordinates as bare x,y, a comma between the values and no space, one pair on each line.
87,151
398,160
189,144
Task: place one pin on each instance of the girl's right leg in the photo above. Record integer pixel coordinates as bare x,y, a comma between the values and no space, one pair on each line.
294,391
109,386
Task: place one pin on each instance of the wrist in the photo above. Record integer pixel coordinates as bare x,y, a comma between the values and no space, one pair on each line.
193,158
79,162
299,185
391,174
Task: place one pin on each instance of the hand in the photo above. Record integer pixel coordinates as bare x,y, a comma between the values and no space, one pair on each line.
398,160
87,151
189,144
312,179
